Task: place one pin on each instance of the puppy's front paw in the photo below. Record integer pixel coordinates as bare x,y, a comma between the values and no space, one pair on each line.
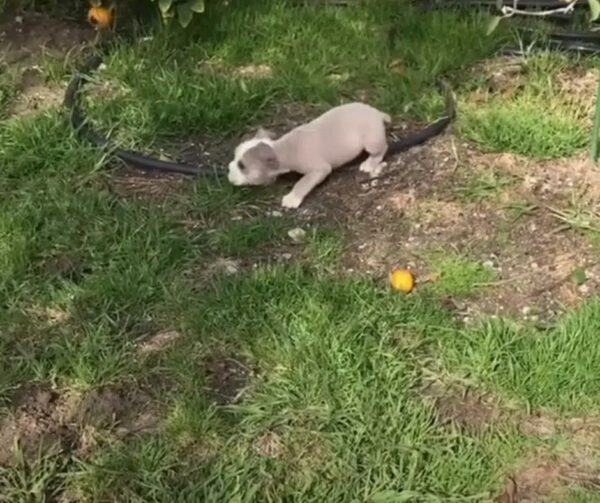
291,200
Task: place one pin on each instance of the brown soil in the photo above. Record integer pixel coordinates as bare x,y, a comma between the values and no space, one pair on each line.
227,378
24,41
26,38
545,477
470,410
158,342
269,445
43,418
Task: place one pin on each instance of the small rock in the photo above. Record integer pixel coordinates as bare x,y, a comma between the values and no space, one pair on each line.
526,310
276,214
584,289
297,235
19,19
231,268
489,264
286,256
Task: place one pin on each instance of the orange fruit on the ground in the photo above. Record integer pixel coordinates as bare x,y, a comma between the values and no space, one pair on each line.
402,280
100,16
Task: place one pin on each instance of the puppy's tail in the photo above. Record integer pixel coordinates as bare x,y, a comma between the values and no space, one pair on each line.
430,131
386,118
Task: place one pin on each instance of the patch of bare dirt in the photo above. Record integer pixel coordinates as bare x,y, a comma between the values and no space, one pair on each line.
158,342
49,315
26,38
44,418
227,378
254,71
545,477
64,265
269,445
146,185
35,95
470,410
579,86
36,424
504,76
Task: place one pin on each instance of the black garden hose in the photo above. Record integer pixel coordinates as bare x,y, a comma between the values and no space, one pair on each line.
84,129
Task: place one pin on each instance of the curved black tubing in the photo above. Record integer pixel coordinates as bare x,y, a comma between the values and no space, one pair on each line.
82,127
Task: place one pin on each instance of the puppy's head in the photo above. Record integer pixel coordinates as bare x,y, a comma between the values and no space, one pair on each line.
255,161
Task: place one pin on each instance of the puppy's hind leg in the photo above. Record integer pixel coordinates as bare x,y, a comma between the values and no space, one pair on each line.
376,148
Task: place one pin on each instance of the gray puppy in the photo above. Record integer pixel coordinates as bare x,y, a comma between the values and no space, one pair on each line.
314,149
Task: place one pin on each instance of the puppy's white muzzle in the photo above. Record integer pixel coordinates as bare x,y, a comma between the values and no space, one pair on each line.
234,176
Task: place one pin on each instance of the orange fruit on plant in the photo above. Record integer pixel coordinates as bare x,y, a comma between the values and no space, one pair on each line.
100,17
402,280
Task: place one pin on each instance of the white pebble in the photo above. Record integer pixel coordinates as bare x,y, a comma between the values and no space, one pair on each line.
297,235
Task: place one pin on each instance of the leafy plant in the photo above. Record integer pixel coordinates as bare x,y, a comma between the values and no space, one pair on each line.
182,10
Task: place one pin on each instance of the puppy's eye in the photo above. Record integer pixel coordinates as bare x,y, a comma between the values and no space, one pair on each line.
241,165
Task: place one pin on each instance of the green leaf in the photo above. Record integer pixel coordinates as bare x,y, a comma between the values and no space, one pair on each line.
184,14
165,5
493,24
594,9
197,6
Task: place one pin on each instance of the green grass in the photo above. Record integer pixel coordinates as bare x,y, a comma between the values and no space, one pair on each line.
480,186
546,368
528,126
540,120
8,81
335,361
457,274
334,371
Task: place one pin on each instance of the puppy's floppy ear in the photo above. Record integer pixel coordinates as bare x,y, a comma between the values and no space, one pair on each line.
264,134
266,155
